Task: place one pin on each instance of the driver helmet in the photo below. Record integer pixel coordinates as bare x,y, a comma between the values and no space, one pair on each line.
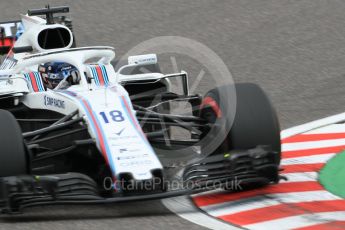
54,72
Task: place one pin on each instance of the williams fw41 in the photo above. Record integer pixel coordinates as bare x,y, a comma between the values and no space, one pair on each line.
75,131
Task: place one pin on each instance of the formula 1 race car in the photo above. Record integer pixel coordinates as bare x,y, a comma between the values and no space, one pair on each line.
75,131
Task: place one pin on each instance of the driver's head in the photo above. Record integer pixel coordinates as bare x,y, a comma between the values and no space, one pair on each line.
54,72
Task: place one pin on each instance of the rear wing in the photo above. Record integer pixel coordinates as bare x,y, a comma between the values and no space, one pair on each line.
9,31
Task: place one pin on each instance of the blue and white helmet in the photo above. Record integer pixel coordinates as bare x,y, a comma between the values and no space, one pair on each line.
54,72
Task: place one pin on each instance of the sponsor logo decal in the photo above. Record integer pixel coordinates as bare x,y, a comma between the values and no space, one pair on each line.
136,163
119,133
127,137
123,150
132,157
50,101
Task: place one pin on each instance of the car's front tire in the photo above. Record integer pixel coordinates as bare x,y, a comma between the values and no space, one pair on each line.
13,156
239,129
253,123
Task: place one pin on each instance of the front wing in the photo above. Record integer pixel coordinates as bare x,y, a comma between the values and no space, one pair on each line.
250,166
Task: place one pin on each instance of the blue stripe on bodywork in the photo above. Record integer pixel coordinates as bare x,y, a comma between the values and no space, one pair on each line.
39,81
95,75
28,79
136,124
105,75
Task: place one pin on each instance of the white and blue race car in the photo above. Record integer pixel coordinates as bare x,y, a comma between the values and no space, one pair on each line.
75,131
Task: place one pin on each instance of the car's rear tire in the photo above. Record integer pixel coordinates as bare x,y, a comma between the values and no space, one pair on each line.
13,156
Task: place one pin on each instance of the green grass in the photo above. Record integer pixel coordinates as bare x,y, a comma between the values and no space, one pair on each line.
332,176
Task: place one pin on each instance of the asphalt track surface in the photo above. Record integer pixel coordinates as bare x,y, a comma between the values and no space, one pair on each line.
295,50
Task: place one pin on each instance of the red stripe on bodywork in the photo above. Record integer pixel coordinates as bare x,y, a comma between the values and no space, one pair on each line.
313,137
100,75
209,101
204,200
98,130
33,82
310,152
99,133
132,116
283,210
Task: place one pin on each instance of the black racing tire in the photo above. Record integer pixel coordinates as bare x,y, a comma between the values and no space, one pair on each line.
13,156
254,123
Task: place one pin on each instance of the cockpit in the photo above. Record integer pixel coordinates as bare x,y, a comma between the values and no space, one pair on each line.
64,68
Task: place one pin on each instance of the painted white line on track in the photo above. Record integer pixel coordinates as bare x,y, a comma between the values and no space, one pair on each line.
335,128
297,177
262,201
299,221
183,207
312,145
312,125
320,158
